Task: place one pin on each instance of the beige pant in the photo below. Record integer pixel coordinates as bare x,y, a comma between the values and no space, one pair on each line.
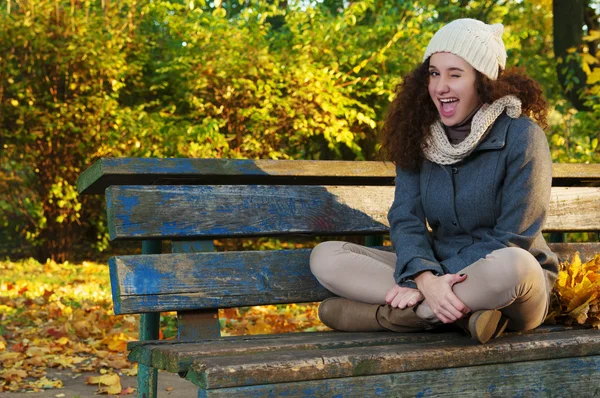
509,279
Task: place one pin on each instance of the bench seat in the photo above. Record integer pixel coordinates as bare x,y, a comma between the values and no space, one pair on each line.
189,203
418,364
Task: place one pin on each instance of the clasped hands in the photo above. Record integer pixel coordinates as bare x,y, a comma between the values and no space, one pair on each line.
436,290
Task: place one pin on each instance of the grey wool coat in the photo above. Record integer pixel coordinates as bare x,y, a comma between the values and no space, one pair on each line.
496,197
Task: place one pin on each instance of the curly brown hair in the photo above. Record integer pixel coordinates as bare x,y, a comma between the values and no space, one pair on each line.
412,112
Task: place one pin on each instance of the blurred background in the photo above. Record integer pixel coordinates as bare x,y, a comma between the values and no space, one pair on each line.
80,80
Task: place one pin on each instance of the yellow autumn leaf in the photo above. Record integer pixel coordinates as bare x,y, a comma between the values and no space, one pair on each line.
594,77
594,35
37,351
117,341
109,383
133,371
589,59
577,290
13,374
586,68
562,279
259,327
44,383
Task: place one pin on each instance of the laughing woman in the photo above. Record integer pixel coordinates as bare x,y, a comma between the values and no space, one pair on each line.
473,163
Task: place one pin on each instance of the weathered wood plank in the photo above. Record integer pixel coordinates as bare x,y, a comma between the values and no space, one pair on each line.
179,357
249,339
134,171
565,251
173,282
235,211
579,173
279,367
196,324
217,211
574,209
569,377
176,356
131,171
213,280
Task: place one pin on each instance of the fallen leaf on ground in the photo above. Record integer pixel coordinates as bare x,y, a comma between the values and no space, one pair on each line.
107,384
13,375
127,391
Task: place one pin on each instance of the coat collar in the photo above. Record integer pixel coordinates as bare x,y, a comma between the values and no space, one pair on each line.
496,138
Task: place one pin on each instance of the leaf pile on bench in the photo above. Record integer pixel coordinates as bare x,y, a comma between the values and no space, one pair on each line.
576,295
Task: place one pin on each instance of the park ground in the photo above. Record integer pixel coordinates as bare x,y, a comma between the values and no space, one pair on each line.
59,335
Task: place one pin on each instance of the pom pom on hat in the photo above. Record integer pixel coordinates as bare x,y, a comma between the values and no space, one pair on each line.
476,42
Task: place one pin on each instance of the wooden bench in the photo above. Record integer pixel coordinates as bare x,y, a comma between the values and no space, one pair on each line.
193,201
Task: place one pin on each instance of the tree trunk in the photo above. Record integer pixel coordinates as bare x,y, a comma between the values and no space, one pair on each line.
568,29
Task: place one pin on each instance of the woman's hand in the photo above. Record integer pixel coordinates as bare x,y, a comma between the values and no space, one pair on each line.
438,294
403,297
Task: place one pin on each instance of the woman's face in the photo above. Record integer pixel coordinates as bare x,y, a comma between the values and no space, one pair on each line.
452,87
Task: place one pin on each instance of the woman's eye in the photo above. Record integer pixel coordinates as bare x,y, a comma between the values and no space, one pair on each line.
455,75
433,73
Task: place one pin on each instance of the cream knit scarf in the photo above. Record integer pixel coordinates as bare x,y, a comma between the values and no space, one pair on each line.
441,151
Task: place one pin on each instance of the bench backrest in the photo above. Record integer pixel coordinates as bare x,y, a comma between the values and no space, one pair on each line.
195,200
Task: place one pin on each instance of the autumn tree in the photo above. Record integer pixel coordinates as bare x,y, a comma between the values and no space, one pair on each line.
257,79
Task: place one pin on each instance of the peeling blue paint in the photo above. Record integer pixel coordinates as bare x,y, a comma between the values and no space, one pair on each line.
114,285
442,382
198,211
176,166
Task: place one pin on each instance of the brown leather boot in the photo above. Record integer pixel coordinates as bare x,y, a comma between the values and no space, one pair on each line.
353,316
401,320
348,315
484,325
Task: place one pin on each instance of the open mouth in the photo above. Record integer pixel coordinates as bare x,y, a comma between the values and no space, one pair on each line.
448,106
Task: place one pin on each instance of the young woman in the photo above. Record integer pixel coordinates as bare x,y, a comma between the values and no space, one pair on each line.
472,192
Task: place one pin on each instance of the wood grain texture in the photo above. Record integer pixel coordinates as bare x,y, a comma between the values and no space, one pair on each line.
585,173
569,377
196,324
213,280
174,282
574,209
177,356
279,367
219,211
131,171
143,212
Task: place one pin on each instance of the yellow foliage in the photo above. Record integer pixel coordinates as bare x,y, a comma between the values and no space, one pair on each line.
594,35
594,77
108,383
576,291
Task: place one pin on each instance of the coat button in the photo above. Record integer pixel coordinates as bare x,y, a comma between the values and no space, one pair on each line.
454,170
454,223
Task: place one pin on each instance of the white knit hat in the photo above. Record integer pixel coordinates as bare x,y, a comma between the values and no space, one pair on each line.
477,43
